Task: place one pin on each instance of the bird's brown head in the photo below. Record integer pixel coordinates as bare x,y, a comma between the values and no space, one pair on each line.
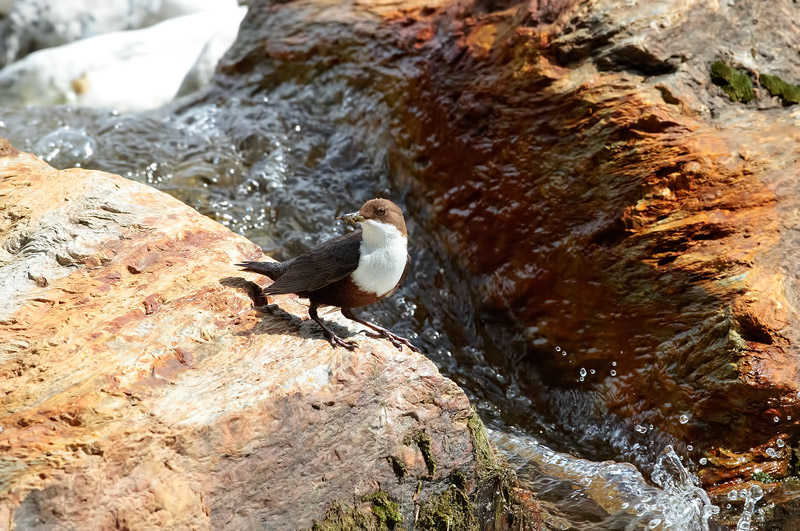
380,210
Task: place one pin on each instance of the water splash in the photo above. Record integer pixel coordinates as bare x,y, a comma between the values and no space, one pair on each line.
686,505
751,497
615,493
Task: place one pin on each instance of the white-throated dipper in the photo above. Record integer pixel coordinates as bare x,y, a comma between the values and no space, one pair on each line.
350,271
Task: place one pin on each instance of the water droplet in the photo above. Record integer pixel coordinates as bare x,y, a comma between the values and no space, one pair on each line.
640,428
788,417
583,372
756,492
733,495
689,447
655,522
613,373
683,419
777,419
613,363
591,371
779,443
703,461
297,128
558,349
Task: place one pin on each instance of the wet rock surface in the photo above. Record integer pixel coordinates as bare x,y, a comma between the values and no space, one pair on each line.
140,387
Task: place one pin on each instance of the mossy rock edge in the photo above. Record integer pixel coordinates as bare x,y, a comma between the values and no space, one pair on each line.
489,498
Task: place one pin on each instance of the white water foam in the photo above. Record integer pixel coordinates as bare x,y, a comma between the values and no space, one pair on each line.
601,495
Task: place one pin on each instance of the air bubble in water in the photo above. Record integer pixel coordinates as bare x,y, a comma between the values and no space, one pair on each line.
583,372
779,443
683,419
66,148
640,428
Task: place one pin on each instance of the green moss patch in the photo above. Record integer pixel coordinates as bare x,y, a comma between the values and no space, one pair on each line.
763,477
452,509
484,453
735,84
398,466
384,515
340,517
423,441
385,510
788,93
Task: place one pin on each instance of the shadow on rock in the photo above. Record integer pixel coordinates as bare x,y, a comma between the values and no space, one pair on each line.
299,327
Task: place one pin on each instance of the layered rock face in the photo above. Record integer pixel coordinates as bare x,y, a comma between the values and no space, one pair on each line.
140,388
608,197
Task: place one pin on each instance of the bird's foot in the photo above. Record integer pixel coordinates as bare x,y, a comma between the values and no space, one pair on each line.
394,339
337,341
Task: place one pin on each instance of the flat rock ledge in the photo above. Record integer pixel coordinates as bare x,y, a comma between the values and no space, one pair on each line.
144,385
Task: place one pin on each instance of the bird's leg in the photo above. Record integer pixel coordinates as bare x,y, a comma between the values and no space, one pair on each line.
394,339
332,338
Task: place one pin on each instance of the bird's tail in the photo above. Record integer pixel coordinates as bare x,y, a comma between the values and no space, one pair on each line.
273,270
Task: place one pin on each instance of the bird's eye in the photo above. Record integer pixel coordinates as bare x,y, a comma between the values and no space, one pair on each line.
382,211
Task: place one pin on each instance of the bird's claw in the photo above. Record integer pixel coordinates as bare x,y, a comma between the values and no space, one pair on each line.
394,339
337,341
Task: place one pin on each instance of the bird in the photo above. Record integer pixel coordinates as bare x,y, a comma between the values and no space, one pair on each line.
350,271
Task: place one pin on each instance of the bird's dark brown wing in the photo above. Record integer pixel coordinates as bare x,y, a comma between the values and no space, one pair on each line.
322,265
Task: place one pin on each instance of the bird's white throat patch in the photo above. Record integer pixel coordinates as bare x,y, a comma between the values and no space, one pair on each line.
384,252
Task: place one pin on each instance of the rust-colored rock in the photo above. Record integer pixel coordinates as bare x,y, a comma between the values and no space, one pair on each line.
608,197
140,389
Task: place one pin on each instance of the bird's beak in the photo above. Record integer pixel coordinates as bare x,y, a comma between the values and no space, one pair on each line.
353,217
